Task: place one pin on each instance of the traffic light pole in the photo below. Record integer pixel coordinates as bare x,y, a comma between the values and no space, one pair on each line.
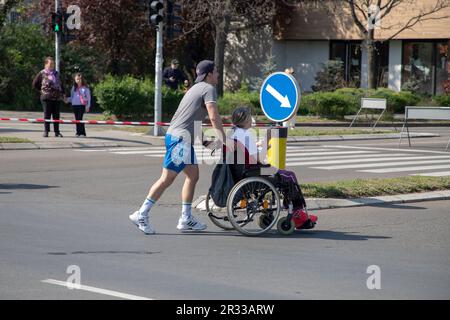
57,38
157,130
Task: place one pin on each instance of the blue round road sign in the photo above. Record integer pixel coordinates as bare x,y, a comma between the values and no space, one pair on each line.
279,96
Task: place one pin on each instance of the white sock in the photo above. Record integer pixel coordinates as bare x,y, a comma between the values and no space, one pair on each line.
186,210
146,206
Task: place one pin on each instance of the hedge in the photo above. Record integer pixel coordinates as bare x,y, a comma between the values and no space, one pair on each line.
130,98
443,101
347,101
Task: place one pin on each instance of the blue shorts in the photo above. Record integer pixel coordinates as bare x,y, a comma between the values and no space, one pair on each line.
178,154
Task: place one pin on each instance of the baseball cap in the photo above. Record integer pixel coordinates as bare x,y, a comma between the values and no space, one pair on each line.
203,68
175,61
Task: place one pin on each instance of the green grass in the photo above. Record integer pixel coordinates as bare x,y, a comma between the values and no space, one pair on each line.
14,140
359,188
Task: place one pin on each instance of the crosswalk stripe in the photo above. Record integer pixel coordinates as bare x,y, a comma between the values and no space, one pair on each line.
419,168
308,150
89,150
334,153
138,152
384,164
383,149
134,149
433,174
371,160
358,156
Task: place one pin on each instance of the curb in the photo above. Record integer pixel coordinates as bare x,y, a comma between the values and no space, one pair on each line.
330,203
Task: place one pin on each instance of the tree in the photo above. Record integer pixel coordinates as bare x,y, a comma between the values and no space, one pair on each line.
224,17
117,28
366,13
5,7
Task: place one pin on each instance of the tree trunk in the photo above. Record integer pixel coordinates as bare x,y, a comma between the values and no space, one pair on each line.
222,29
370,49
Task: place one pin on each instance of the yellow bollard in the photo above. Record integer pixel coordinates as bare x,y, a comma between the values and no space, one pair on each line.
276,147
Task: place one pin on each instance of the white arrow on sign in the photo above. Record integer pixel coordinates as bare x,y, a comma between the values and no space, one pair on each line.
283,100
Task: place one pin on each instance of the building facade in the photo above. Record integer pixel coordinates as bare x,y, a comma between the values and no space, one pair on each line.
305,37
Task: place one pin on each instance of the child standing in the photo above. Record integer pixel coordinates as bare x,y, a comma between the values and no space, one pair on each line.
80,98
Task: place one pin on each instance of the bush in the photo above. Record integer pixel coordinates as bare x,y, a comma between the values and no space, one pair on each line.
229,101
347,101
396,101
330,104
443,100
130,98
331,77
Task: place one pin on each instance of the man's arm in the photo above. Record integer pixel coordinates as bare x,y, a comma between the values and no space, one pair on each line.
216,120
166,75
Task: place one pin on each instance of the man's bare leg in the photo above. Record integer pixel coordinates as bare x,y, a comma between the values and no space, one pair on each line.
187,221
158,188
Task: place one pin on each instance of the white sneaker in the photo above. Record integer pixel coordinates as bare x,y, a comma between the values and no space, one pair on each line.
190,223
142,223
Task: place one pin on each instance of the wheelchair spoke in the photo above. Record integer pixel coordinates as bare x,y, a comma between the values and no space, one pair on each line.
253,206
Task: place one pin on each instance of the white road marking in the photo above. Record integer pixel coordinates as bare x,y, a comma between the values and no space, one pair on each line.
384,149
358,156
139,152
134,149
375,159
385,164
433,174
96,290
333,153
89,150
389,170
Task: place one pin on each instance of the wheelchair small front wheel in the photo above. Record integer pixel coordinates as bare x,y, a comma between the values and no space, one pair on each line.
285,226
217,215
253,206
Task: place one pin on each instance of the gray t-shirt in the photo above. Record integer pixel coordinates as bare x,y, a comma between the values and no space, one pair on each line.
192,109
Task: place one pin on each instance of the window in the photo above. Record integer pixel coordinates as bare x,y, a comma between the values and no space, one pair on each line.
425,66
442,67
349,52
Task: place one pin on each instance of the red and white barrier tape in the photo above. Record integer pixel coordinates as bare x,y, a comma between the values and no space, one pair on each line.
109,122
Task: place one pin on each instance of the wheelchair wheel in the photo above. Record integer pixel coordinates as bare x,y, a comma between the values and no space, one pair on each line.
285,226
217,215
252,201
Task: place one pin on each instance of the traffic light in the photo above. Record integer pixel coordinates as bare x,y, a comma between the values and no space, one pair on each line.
155,17
57,21
173,19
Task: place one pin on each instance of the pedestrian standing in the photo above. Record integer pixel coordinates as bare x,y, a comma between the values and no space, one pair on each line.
48,83
80,98
173,77
291,122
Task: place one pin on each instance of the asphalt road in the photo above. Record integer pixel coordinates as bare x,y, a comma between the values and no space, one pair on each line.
61,208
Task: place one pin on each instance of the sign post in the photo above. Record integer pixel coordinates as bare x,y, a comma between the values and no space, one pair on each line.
279,97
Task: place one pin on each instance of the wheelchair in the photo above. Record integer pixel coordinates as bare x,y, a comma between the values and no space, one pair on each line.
255,203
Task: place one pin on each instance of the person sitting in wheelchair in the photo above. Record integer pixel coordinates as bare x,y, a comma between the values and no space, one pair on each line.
246,150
